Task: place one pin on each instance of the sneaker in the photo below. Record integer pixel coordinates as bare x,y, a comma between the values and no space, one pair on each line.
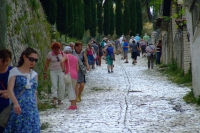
108,71
111,71
72,108
126,62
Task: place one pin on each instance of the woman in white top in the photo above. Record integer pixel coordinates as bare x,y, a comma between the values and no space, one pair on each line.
56,74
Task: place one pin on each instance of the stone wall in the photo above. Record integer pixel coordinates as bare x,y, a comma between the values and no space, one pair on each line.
194,49
175,43
27,26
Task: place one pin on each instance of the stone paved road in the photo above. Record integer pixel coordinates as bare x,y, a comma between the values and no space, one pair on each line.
130,100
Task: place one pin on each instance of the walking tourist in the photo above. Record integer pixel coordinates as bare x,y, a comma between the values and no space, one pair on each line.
83,65
90,51
158,51
110,56
95,52
5,59
150,55
69,64
146,38
143,45
53,61
137,38
134,50
100,53
125,49
117,45
22,89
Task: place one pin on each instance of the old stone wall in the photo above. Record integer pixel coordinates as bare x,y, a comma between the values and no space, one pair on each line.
176,46
27,26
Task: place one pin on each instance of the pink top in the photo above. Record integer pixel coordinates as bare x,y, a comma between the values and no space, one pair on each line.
89,51
73,61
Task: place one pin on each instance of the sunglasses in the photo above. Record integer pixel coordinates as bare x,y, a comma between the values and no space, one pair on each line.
32,59
58,59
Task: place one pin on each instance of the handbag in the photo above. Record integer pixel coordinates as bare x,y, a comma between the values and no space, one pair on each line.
5,114
112,57
81,65
67,77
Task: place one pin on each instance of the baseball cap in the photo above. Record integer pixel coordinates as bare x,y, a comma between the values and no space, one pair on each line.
67,49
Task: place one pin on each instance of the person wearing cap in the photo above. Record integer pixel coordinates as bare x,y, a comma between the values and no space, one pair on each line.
69,64
56,75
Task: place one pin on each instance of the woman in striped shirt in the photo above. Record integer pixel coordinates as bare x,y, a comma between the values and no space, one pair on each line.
158,51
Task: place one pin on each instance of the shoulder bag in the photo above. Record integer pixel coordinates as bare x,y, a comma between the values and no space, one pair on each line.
81,65
5,114
151,53
67,77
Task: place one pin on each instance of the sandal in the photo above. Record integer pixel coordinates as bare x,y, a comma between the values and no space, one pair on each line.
54,101
60,102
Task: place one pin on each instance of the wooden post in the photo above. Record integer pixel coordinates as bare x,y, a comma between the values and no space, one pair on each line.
3,24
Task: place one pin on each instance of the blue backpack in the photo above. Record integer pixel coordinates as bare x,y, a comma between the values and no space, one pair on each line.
110,50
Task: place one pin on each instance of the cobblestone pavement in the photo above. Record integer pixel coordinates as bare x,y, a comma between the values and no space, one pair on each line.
130,100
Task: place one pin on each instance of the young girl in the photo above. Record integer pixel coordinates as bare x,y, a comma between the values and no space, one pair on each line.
24,116
90,51
5,58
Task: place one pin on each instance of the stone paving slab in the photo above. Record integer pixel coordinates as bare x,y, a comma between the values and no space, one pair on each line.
130,100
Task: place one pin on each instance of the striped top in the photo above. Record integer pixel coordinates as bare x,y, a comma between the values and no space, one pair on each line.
159,48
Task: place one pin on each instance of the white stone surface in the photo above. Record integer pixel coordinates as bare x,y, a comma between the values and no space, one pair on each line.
133,99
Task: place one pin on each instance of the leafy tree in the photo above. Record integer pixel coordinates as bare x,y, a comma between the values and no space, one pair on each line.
62,22
79,27
133,17
94,18
106,24
99,16
50,9
87,12
139,17
118,18
112,19
126,18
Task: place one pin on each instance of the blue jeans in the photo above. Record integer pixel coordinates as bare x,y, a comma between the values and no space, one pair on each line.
158,55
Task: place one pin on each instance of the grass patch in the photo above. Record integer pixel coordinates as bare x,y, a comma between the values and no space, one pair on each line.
97,89
190,98
44,125
176,75
45,106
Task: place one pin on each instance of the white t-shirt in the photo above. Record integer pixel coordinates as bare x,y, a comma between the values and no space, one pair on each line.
54,61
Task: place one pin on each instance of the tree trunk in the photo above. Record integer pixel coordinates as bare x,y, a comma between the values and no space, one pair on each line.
3,24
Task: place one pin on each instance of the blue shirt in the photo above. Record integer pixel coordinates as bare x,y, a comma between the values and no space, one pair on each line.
4,80
137,38
125,48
